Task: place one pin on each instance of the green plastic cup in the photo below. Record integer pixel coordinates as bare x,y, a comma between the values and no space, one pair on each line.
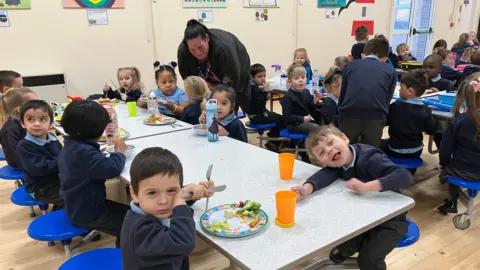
132,108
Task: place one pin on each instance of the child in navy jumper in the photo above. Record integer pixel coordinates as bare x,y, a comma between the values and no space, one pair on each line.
460,149
404,54
333,84
130,85
448,72
432,66
361,37
12,131
367,90
409,118
475,65
37,153
230,125
366,169
300,56
197,91
84,169
159,231
298,104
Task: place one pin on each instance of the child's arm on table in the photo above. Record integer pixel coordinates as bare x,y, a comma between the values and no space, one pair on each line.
34,162
199,191
319,180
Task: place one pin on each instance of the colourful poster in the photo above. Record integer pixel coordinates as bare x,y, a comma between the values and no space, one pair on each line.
332,3
93,3
204,3
15,4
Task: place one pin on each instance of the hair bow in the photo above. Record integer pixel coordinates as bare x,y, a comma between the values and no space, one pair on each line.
476,84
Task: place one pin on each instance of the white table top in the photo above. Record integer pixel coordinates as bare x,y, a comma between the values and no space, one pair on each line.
135,125
324,220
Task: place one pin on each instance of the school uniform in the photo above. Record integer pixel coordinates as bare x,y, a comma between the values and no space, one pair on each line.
176,97
192,112
357,50
392,59
450,73
37,158
235,128
309,70
440,83
258,113
367,90
470,69
150,243
295,106
370,164
11,133
409,58
329,110
83,171
133,95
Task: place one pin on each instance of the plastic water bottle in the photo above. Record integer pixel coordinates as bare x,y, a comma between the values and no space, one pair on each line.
212,120
283,81
152,104
315,80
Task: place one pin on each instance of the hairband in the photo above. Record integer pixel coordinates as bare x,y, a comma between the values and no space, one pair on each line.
476,84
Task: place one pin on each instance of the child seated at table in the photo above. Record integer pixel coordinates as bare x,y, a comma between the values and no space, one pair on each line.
439,45
298,104
361,37
130,89
366,169
341,61
448,72
229,124
171,99
460,149
12,131
159,230
474,66
404,54
408,119
37,153
84,169
300,56
10,79
197,91
432,66
333,84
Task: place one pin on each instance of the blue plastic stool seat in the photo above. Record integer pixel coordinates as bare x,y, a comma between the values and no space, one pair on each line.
241,115
472,187
54,226
261,127
22,198
2,155
407,163
411,237
294,136
97,259
9,173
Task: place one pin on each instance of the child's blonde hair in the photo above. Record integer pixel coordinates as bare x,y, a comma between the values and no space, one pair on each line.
341,61
302,50
197,89
402,46
136,77
317,135
475,40
10,101
467,54
295,70
334,75
468,97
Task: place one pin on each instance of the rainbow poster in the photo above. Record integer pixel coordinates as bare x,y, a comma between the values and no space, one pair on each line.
93,3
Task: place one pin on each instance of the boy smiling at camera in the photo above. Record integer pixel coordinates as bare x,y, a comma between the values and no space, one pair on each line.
366,169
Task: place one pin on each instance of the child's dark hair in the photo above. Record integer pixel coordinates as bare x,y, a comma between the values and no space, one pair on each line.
417,80
475,58
436,58
441,43
444,53
378,47
257,68
361,33
85,120
194,30
154,161
225,86
36,105
164,68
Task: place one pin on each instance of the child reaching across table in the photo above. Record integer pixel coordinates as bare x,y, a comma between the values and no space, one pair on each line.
333,84
171,99
366,169
460,148
159,230
129,79
197,91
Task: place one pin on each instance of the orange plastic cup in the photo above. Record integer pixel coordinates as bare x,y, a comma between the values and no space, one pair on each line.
286,203
285,163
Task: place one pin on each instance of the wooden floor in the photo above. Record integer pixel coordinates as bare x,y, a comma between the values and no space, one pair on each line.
441,245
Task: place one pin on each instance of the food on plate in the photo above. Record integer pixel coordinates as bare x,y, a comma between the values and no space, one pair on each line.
250,209
104,100
121,133
254,222
159,118
220,226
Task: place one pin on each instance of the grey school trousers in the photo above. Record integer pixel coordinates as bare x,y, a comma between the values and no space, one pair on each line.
362,130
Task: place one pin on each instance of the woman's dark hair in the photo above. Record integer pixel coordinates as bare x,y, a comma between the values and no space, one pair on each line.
164,68
36,104
195,29
85,120
154,161
225,86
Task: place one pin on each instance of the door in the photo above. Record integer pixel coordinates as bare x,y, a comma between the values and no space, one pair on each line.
412,24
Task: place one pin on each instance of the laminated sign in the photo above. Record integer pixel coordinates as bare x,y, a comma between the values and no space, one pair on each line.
331,3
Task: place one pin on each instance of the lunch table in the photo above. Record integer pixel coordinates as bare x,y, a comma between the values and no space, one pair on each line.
324,220
135,126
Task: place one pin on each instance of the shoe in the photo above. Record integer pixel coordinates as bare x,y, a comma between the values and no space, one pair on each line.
336,256
448,207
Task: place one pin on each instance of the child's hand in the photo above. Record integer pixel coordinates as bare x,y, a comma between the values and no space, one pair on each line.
120,145
161,101
203,118
266,86
359,186
123,96
178,200
222,131
434,90
106,88
307,118
207,185
303,191
198,191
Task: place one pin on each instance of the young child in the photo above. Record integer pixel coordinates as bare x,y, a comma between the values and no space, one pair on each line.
460,149
440,44
409,118
367,90
459,48
130,89
298,104
366,169
230,125
333,84
258,113
300,56
159,230
472,38
475,65
171,99
37,153
448,72
341,61
404,54
12,131
361,37
84,169
432,66
10,79
467,56
197,91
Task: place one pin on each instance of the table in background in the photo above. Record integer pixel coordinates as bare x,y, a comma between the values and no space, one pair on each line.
326,219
